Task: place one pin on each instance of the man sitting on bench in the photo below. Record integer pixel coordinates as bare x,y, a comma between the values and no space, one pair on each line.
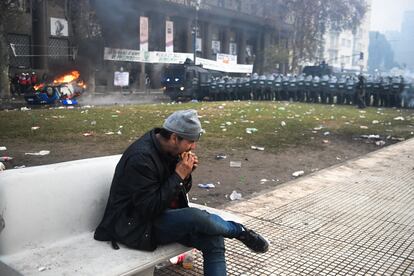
148,206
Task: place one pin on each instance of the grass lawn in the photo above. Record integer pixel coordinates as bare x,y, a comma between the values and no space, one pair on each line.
273,125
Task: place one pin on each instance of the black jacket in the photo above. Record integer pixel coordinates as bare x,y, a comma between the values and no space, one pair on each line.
143,187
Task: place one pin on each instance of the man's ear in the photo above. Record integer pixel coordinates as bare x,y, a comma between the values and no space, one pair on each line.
174,138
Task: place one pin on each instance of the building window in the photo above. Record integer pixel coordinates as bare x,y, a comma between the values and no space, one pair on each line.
19,50
58,49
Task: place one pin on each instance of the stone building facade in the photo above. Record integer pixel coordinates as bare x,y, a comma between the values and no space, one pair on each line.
47,37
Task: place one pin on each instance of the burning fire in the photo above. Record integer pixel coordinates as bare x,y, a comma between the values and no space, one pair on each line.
39,86
67,78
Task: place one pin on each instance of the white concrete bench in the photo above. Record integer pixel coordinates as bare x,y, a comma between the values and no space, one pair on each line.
50,213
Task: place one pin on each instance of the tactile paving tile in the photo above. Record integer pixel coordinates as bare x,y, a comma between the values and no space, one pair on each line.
362,225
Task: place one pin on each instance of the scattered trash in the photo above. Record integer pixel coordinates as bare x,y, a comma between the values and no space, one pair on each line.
371,136
2,166
235,164
263,181
326,133
40,153
19,167
24,108
363,127
86,134
194,198
5,158
3,148
109,133
398,139
298,173
42,268
317,128
250,130
119,132
206,122
257,148
399,118
283,124
325,141
338,158
35,127
206,186
229,123
93,123
235,195
221,156
380,143
375,122
114,116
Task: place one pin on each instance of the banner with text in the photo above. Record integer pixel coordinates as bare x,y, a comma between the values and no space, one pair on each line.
169,36
143,33
226,59
175,58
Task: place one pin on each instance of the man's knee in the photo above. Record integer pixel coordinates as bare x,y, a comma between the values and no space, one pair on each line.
213,245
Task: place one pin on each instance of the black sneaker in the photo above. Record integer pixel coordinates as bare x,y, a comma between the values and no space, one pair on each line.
253,241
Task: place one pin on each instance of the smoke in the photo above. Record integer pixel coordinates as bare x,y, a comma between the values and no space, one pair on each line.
119,98
408,98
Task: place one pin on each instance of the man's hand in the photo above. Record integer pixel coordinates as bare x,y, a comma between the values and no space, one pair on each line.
186,164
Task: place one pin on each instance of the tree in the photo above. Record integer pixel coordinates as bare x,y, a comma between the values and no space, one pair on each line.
8,8
310,20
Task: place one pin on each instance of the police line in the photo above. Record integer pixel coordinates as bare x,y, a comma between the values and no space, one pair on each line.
131,55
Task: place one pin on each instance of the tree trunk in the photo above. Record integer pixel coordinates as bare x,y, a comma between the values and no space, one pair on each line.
4,64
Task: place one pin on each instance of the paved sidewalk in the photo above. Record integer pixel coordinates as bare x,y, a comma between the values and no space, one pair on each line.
356,218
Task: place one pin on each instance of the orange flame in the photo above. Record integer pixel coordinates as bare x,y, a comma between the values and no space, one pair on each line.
38,86
67,77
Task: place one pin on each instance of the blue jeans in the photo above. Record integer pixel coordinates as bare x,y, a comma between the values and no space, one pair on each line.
193,227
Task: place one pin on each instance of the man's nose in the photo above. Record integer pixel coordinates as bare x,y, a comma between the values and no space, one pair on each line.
193,146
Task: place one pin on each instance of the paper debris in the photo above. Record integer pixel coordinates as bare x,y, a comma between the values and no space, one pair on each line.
2,167
3,148
399,118
40,153
24,108
235,195
35,127
5,158
374,122
363,127
380,143
86,134
250,130
206,186
221,156
257,148
283,124
298,173
235,164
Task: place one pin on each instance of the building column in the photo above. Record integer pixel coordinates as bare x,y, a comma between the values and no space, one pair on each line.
40,34
226,40
259,52
156,43
241,47
189,35
207,40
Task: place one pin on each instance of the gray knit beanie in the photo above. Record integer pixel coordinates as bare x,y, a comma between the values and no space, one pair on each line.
184,123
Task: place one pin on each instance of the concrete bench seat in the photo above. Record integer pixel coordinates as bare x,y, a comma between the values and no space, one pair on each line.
50,213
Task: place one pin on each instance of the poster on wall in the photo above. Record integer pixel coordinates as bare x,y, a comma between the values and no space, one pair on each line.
215,46
233,48
169,36
143,33
121,78
59,27
199,43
